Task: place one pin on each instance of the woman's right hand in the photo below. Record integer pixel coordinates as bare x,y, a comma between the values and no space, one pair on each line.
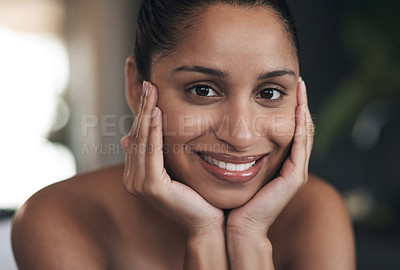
145,176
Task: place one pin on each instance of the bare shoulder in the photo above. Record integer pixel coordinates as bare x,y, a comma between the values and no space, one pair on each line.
55,228
315,229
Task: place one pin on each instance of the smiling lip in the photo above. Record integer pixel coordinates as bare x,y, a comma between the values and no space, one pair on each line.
235,169
233,159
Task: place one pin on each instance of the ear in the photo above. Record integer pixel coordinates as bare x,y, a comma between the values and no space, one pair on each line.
133,84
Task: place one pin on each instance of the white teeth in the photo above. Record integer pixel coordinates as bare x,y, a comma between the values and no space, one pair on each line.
247,165
230,166
240,167
215,162
222,165
226,165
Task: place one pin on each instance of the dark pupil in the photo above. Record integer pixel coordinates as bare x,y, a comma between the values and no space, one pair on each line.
268,94
202,90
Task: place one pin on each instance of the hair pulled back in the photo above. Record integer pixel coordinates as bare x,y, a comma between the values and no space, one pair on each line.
162,24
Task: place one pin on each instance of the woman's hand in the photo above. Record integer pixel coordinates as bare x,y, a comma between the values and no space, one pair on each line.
252,221
260,212
145,176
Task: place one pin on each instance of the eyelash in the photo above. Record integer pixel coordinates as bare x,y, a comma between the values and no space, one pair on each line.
192,90
281,93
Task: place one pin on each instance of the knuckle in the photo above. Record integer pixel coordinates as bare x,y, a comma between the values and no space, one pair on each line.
141,148
150,148
153,149
140,136
154,127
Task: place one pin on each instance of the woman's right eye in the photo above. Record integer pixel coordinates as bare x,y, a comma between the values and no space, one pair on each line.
203,90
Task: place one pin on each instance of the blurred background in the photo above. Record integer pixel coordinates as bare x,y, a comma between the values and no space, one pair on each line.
63,109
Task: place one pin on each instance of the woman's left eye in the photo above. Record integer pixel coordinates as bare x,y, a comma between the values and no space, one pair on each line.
203,91
270,93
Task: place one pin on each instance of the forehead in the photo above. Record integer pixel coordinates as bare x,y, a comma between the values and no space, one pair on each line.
226,35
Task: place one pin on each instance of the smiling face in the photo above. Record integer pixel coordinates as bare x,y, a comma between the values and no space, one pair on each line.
228,97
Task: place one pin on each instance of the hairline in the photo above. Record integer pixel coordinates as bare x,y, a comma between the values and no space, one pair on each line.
189,26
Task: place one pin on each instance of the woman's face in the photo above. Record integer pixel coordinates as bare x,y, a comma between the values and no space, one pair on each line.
228,97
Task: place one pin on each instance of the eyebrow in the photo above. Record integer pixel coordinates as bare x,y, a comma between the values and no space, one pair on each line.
223,74
275,73
201,69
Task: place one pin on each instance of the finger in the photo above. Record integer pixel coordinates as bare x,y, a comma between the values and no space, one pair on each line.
128,142
310,124
137,121
141,137
137,141
278,192
299,147
309,127
301,93
154,157
295,166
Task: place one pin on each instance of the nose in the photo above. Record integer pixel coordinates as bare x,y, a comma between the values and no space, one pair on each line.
235,127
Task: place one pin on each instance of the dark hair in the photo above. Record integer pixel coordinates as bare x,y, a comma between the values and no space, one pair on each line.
162,24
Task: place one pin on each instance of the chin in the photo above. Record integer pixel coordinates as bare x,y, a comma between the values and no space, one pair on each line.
227,201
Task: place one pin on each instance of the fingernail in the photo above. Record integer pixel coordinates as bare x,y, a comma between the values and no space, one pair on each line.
304,108
300,78
144,87
149,90
304,88
154,112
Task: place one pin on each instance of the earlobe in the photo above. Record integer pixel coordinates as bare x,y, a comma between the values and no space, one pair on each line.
133,84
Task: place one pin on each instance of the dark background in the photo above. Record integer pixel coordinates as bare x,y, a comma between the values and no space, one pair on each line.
350,62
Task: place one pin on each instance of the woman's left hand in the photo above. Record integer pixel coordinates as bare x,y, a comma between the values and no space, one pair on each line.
255,217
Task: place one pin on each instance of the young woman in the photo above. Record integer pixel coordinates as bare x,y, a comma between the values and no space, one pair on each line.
216,172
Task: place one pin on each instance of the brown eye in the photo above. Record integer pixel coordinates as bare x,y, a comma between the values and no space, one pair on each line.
270,93
203,91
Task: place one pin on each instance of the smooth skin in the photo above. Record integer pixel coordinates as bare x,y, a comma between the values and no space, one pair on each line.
247,226
163,210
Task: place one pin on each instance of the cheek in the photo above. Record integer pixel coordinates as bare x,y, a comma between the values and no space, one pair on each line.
278,127
181,125
180,120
